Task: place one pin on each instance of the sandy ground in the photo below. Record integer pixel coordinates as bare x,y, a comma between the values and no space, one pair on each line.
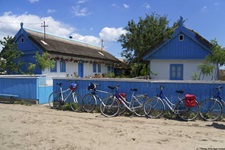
37,127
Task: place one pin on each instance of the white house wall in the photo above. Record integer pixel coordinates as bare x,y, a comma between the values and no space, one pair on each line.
72,68
162,68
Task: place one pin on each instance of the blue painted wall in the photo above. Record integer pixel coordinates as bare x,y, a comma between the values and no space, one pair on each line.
176,49
29,50
26,88
201,89
30,88
23,87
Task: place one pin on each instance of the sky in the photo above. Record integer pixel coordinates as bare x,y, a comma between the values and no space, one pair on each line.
94,21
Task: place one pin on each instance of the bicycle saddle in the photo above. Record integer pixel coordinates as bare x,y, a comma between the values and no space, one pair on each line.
180,91
135,89
112,87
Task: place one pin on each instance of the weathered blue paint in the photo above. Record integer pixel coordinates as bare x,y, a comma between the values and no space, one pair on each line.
174,48
29,49
30,87
23,87
43,93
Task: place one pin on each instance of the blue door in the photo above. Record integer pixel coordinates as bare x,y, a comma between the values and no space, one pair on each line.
176,71
81,70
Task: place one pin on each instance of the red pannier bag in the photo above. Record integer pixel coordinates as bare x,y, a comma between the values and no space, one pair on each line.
190,100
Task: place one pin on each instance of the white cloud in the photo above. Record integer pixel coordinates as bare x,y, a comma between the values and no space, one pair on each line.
51,11
33,1
81,1
126,6
88,39
81,12
204,9
10,25
111,34
147,6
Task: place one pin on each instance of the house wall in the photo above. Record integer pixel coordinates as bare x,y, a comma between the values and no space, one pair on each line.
162,68
72,68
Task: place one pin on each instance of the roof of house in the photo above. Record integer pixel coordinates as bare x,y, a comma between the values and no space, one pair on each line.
55,45
188,32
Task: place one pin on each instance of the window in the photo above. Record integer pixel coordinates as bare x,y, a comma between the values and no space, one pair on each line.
176,72
99,68
55,67
94,67
62,66
22,40
181,37
108,69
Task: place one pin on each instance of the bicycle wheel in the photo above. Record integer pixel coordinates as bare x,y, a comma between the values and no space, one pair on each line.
210,109
54,100
186,113
110,107
123,110
76,103
154,107
89,103
137,105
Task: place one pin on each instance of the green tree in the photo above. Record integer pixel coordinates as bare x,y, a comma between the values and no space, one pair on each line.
205,69
31,68
217,57
143,36
12,56
44,61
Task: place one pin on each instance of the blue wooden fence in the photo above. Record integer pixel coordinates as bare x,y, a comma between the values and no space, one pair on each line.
26,87
202,89
33,88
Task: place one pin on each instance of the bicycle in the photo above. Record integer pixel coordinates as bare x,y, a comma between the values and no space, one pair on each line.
155,106
90,101
57,99
211,109
135,105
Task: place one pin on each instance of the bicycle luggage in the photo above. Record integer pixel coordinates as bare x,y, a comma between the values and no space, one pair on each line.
73,86
190,100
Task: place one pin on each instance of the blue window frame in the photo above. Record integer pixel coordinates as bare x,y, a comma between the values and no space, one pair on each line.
62,66
176,71
55,67
99,68
94,67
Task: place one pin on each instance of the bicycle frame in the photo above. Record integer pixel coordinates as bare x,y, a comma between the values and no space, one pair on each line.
95,95
126,103
217,96
171,105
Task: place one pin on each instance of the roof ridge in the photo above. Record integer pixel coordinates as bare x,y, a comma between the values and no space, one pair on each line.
64,39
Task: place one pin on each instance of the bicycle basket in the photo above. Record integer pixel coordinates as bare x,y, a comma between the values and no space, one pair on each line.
91,86
73,86
190,100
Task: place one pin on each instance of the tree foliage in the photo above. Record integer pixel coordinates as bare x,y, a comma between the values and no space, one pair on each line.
11,56
44,61
143,36
217,57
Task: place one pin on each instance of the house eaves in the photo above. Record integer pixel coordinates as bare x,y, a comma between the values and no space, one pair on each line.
189,33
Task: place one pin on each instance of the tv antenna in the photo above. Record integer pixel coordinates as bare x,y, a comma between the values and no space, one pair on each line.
44,26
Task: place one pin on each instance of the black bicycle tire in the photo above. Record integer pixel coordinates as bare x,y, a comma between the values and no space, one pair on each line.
106,110
156,107
56,104
189,111
139,111
91,101
205,116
